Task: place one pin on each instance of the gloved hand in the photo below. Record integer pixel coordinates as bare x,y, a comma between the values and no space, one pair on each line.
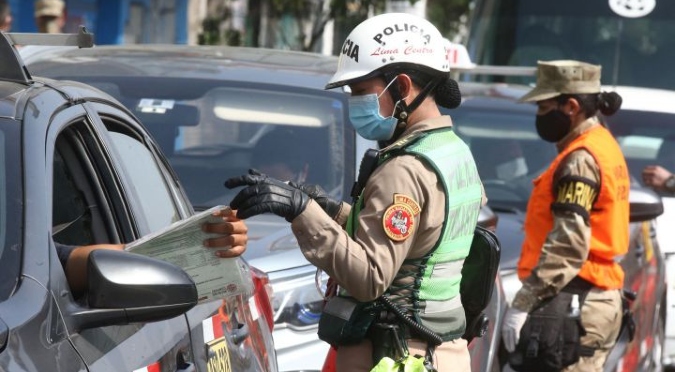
265,194
513,323
329,205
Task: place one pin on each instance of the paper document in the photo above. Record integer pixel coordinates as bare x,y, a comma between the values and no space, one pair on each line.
181,244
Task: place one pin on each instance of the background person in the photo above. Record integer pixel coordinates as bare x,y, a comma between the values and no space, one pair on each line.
657,175
281,154
5,16
659,178
50,16
394,234
577,216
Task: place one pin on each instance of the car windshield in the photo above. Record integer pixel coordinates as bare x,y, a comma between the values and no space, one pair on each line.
508,152
11,199
652,142
632,43
212,130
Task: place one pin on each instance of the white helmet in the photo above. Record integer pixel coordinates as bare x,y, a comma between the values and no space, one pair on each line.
388,40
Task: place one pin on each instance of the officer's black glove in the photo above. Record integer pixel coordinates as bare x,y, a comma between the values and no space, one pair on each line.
329,205
265,194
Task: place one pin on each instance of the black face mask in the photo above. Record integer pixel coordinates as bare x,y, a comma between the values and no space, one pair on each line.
553,126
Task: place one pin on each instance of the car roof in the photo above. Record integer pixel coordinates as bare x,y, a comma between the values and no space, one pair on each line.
501,96
260,65
17,85
493,96
645,99
10,96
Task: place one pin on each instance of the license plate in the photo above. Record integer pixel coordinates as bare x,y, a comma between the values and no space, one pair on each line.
218,356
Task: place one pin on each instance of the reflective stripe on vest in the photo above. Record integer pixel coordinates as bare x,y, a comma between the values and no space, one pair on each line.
608,218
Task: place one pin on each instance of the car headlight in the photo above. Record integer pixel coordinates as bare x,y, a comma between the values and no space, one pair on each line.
297,302
510,283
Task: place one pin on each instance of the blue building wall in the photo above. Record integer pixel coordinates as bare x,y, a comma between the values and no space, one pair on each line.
107,19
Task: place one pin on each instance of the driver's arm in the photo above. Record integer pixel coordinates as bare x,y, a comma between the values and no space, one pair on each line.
74,262
568,243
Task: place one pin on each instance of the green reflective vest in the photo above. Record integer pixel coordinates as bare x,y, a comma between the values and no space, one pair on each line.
436,291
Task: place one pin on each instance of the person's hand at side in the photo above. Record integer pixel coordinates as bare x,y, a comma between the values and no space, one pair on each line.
514,320
264,194
655,176
233,231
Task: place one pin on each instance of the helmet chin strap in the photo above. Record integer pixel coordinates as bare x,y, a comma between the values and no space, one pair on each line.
402,110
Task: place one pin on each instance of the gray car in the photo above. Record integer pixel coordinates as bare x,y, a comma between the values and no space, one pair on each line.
77,168
219,111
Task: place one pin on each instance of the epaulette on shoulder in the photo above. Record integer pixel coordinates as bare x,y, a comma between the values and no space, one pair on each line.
404,141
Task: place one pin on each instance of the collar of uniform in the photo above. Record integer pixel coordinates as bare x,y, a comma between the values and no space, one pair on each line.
585,126
415,130
428,124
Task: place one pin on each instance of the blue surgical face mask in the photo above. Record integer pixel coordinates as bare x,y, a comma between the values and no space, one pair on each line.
364,112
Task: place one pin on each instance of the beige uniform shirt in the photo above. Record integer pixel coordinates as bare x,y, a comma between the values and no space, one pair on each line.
366,266
567,245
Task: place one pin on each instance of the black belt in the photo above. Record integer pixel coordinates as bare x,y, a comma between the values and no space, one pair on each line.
586,351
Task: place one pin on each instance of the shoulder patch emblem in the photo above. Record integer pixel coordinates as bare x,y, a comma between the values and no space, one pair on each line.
405,199
398,220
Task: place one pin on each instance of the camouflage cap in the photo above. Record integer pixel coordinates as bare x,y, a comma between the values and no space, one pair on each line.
564,77
49,8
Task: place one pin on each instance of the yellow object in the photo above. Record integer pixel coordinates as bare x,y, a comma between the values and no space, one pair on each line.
407,364
218,356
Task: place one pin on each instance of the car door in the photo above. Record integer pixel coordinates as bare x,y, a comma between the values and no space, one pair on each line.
642,266
94,203
29,319
229,334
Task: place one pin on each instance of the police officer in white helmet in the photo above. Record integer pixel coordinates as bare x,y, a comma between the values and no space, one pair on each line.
396,254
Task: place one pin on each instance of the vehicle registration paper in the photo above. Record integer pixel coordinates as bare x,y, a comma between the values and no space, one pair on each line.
181,244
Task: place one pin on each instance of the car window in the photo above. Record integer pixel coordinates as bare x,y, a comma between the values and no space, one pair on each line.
507,149
147,181
86,210
211,130
70,218
11,198
80,202
646,138
290,136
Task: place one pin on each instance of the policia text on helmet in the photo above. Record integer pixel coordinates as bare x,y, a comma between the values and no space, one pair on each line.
402,51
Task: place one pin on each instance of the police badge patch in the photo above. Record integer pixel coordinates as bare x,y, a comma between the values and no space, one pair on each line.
398,220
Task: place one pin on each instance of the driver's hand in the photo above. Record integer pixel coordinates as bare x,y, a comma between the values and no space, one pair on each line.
655,176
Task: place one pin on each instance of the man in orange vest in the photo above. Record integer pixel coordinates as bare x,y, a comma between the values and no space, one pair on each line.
576,226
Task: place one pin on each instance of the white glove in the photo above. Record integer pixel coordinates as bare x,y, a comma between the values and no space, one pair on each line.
513,322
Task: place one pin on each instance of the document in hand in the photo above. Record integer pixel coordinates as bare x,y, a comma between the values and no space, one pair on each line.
181,244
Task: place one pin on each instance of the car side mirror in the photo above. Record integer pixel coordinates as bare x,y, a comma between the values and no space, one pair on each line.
645,204
127,288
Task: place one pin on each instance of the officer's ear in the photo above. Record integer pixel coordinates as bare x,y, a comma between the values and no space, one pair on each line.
405,86
571,107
